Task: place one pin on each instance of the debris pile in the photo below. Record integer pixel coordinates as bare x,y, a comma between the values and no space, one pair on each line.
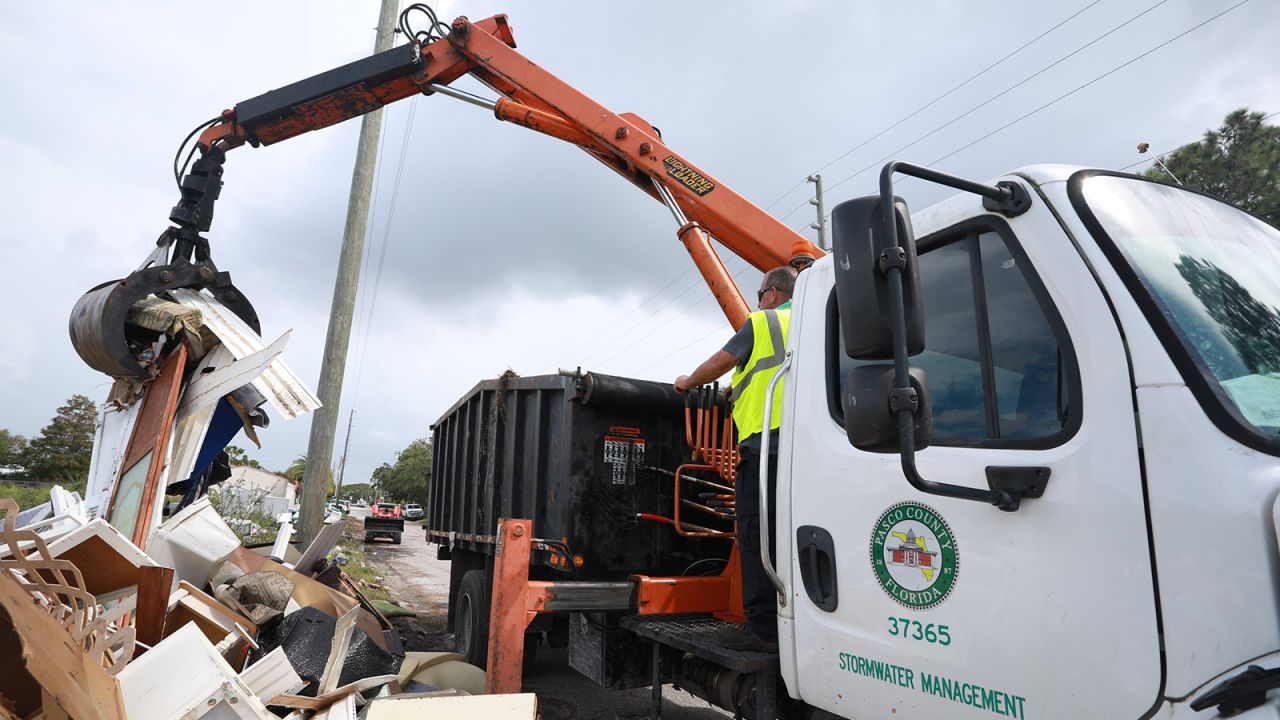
115,606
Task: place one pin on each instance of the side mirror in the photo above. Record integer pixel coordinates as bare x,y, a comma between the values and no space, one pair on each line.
862,286
869,417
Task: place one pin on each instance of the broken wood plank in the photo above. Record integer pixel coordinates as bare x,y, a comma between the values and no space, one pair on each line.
133,504
153,603
319,702
76,681
50,707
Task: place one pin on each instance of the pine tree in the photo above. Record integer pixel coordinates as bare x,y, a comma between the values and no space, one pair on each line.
63,449
12,447
1239,163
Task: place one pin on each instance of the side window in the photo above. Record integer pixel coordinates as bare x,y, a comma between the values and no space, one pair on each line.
999,373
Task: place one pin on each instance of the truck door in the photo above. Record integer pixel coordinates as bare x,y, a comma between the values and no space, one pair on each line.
926,606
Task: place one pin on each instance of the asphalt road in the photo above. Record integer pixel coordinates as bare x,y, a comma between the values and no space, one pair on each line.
420,582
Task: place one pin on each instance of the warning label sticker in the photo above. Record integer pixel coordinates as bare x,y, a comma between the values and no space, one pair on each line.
622,455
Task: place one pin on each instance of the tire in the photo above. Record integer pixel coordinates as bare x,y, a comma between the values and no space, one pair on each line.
395,539
368,538
471,618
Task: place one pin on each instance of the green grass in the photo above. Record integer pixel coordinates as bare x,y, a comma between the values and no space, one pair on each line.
390,610
358,569
26,496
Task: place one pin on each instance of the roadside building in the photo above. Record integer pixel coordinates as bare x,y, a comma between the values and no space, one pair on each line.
252,491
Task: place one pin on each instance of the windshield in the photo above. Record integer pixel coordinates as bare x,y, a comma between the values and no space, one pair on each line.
1214,273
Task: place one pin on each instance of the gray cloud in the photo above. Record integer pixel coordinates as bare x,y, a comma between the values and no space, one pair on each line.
507,249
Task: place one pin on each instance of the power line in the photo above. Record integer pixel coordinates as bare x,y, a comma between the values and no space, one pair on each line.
689,307
369,242
1130,165
1001,94
971,78
386,242
616,323
1087,84
688,288
934,101
718,329
649,334
695,284
680,350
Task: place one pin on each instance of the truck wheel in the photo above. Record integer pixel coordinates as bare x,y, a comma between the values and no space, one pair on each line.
368,538
395,539
471,619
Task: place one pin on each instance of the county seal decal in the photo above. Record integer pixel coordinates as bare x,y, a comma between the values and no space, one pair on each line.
914,556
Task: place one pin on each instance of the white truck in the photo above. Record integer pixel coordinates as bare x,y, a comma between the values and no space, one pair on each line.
1028,462
1101,357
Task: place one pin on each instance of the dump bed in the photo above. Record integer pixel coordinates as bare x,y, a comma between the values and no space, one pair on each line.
580,456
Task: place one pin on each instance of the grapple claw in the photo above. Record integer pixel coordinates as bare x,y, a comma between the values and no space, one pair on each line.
98,324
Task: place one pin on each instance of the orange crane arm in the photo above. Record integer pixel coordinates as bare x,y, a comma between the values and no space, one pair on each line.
536,99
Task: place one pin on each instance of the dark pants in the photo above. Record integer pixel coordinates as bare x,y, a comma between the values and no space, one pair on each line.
759,599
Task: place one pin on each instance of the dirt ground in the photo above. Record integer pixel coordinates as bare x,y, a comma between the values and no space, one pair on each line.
419,582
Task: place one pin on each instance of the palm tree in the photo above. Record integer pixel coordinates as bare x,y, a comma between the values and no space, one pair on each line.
298,468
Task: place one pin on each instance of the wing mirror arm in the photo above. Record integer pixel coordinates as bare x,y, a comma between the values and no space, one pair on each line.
904,400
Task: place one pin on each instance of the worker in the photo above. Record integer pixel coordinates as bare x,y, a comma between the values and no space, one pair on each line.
756,351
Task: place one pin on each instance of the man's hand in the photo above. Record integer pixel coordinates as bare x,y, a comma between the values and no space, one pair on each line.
717,365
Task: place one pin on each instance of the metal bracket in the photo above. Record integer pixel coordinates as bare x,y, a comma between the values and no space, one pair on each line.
1013,203
893,258
1017,483
904,399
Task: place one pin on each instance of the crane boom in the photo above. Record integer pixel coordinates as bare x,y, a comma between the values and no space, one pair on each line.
529,96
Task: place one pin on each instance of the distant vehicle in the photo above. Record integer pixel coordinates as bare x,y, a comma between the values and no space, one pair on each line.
413,511
384,521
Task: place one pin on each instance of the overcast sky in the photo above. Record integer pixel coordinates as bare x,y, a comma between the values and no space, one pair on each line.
507,249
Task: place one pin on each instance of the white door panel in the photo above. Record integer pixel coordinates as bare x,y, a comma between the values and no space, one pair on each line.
1051,609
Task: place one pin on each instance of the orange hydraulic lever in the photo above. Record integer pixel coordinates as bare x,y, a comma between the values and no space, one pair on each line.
533,98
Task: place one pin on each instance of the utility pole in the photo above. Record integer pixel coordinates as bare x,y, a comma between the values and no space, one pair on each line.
821,225
346,446
315,480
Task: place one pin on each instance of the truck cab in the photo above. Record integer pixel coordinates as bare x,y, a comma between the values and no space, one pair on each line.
1117,341
384,520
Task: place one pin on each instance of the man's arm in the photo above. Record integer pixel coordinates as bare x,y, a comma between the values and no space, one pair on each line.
714,367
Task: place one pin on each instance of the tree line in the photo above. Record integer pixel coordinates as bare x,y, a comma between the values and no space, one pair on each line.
62,451
409,478
1238,162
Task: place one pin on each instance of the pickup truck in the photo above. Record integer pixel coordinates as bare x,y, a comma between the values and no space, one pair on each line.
384,520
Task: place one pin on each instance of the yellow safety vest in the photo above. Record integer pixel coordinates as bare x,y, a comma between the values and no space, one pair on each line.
751,379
